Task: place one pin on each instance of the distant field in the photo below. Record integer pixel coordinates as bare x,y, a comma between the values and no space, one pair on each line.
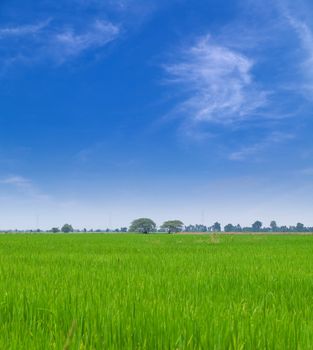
247,233
156,291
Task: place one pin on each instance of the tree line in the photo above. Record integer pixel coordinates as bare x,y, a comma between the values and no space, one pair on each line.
147,225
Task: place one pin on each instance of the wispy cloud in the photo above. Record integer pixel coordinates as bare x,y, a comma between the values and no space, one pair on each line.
47,40
17,181
251,151
305,35
22,30
69,43
245,78
24,186
218,83
73,28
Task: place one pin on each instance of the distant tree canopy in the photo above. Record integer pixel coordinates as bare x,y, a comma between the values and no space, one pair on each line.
273,225
299,227
229,228
257,225
142,225
216,227
172,226
146,225
197,228
67,228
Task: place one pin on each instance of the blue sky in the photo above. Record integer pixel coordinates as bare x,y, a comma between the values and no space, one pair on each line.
197,110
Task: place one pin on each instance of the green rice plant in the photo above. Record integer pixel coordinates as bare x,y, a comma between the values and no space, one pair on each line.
115,291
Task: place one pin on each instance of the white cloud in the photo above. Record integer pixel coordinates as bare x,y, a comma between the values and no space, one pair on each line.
17,181
218,82
24,186
70,43
251,151
22,30
247,151
305,35
46,40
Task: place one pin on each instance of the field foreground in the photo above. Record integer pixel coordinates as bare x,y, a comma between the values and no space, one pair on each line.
156,292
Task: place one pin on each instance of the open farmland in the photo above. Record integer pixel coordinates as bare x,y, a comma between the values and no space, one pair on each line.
156,292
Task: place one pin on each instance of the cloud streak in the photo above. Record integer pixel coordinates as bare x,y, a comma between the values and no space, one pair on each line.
218,82
250,152
73,28
46,40
17,181
70,43
23,30
24,186
246,77
305,36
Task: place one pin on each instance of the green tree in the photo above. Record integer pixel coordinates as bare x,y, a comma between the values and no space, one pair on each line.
229,228
256,226
216,227
67,228
142,225
172,226
238,228
273,225
299,227
55,229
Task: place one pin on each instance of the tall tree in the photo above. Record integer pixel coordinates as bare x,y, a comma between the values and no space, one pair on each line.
238,228
142,225
273,225
229,228
257,225
172,226
67,228
216,227
300,227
